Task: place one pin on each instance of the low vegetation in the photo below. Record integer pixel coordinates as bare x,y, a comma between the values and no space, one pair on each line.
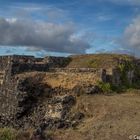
127,65
105,87
12,134
104,61
7,134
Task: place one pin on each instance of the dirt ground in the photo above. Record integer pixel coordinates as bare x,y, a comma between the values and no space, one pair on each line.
108,117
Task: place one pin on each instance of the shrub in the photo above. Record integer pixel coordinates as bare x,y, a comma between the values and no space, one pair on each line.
7,134
105,87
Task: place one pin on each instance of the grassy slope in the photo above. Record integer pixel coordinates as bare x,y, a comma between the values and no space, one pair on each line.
97,60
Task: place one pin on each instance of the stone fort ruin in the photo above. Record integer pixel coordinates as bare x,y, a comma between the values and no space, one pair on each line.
16,64
19,97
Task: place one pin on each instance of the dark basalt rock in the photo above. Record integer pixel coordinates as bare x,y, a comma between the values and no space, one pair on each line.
92,89
78,116
84,89
31,110
69,100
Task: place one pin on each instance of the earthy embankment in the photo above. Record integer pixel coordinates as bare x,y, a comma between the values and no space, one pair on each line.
114,117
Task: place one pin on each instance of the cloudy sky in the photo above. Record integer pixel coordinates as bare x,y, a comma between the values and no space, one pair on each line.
63,27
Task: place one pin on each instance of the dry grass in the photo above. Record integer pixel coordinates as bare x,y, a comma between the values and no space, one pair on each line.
107,118
97,60
62,79
69,80
11,134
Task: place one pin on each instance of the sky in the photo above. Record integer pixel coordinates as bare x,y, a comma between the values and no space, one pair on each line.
63,27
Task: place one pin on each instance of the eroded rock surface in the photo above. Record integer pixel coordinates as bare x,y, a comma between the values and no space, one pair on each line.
40,105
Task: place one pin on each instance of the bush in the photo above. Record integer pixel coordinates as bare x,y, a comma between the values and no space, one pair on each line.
105,87
7,134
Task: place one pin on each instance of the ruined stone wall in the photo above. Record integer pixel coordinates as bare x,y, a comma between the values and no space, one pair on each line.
23,59
117,78
18,99
4,60
19,68
11,65
92,70
8,102
58,62
4,68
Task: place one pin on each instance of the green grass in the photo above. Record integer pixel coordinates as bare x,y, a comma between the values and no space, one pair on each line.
12,134
105,87
7,134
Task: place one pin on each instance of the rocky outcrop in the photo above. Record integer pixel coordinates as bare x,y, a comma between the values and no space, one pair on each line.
38,105
86,89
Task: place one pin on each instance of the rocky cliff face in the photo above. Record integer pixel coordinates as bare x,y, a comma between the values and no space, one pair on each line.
35,104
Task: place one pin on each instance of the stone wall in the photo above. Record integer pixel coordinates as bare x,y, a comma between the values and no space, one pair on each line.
92,70
11,65
58,62
19,68
8,101
4,60
2,74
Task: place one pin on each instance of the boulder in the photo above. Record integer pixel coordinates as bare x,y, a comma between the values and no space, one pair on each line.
92,89
86,89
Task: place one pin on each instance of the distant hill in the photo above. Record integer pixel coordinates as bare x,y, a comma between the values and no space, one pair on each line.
97,60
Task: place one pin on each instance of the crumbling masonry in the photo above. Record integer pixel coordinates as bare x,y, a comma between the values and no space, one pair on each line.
13,93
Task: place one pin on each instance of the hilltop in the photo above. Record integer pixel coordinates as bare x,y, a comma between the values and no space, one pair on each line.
104,61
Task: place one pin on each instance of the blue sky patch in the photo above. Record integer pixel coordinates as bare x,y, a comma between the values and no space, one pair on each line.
52,27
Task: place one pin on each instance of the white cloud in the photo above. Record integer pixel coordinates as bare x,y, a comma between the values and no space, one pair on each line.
132,34
11,20
34,11
103,17
124,2
118,2
41,36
